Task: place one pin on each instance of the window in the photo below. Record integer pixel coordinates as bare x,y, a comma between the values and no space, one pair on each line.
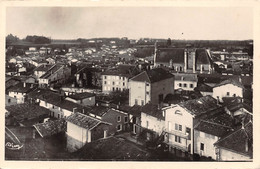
123,83
118,118
119,127
136,101
202,146
191,85
113,83
105,82
228,93
177,139
178,112
147,93
184,85
123,78
142,102
147,124
180,84
234,95
113,89
178,127
147,84
9,100
126,119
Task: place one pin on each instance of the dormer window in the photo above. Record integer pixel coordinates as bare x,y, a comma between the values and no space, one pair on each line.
178,112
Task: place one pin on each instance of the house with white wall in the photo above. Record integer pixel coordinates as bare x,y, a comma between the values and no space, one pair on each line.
86,99
150,86
56,103
206,134
237,146
152,121
82,129
185,81
228,88
180,120
20,91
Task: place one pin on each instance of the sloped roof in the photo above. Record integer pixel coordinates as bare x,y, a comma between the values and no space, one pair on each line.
26,111
231,81
204,88
186,77
167,54
202,56
201,105
55,99
44,67
238,139
212,128
51,127
79,96
153,110
21,89
84,121
153,75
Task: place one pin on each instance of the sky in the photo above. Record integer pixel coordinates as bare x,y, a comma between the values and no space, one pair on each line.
190,23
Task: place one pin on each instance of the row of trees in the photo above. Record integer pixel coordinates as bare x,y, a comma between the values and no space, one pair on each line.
37,39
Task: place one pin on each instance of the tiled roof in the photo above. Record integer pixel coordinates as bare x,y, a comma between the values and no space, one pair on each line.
201,105
186,77
213,128
167,54
79,96
50,71
51,127
153,110
21,89
55,99
237,140
83,121
174,98
221,117
231,81
153,75
43,67
98,110
135,110
202,56
204,88
26,111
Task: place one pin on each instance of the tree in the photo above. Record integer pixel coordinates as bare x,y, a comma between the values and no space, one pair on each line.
169,42
11,39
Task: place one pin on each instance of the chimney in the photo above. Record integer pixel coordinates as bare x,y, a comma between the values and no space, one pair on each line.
185,60
74,109
24,84
163,113
194,62
246,145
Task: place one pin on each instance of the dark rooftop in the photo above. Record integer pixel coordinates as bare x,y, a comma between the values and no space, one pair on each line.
167,54
51,127
201,105
26,111
55,99
84,121
44,68
21,89
80,96
231,81
153,110
238,140
153,75
213,128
